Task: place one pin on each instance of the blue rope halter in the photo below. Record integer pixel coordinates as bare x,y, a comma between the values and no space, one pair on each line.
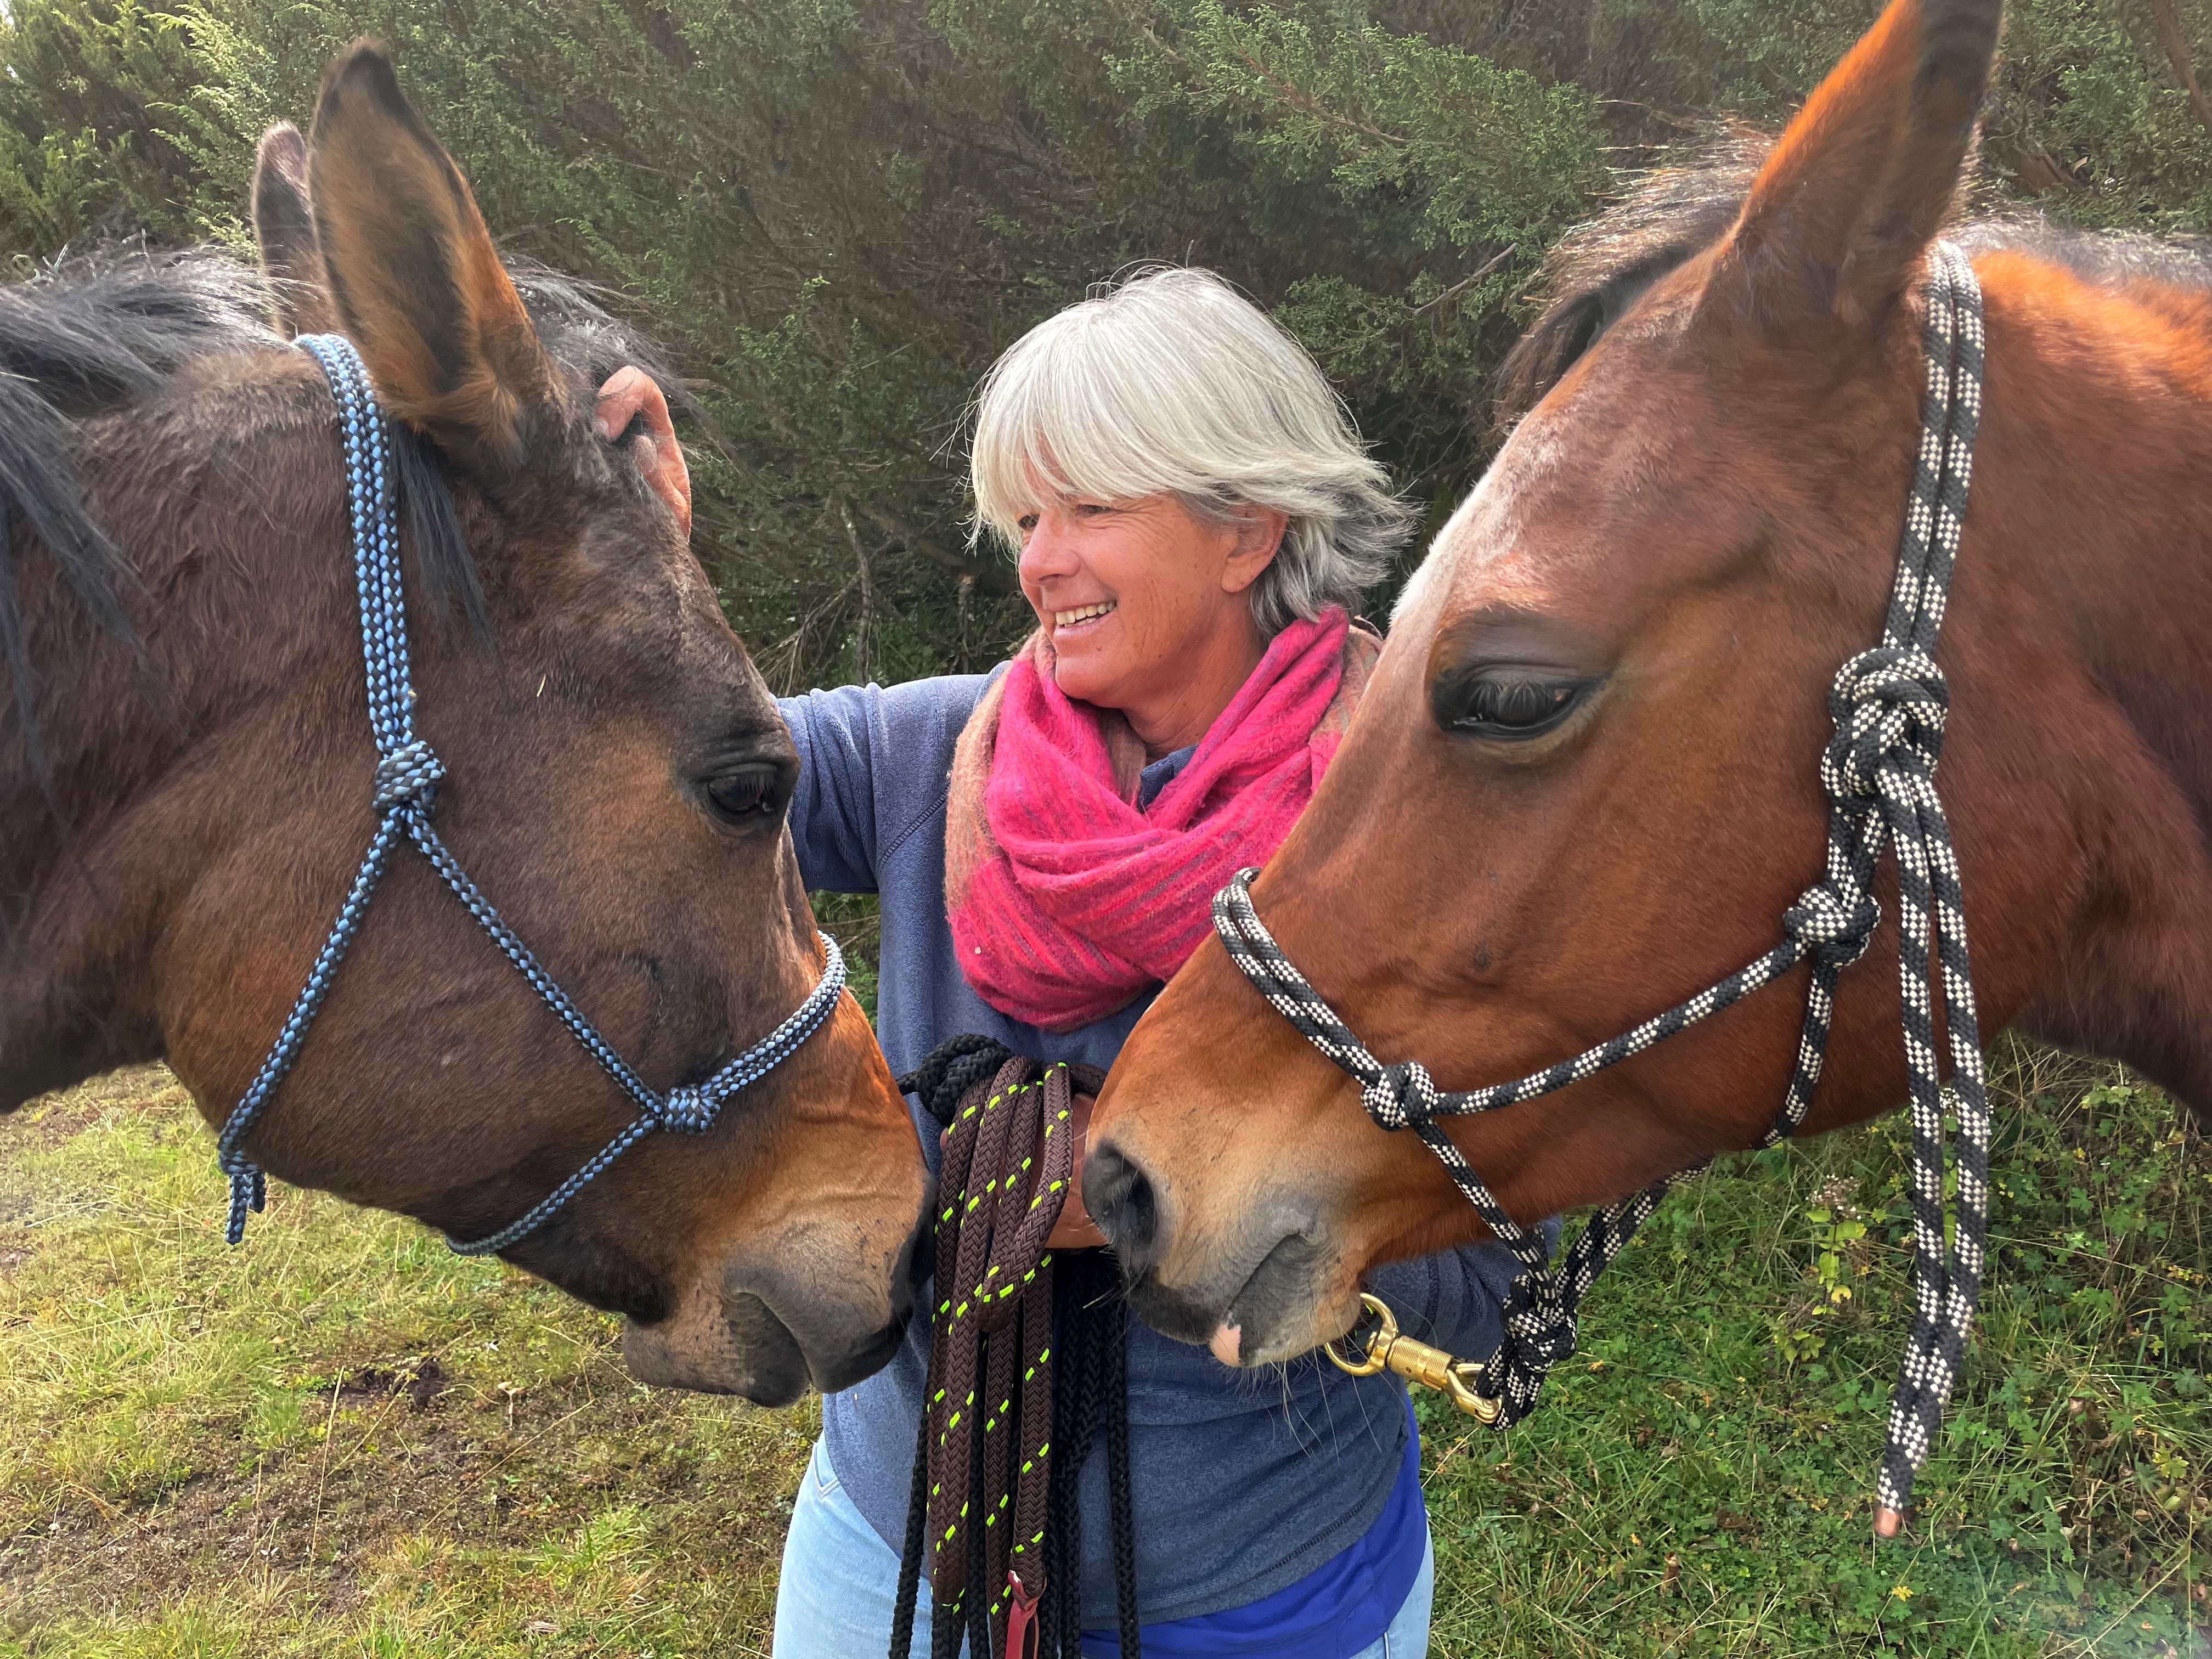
406,780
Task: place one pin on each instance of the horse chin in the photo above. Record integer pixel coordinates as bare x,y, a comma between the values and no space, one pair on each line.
1297,1296
777,1317
746,1348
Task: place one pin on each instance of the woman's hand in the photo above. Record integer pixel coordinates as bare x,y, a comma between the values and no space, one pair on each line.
629,393
1075,1230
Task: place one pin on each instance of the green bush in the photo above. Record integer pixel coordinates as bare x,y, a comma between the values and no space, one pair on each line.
838,212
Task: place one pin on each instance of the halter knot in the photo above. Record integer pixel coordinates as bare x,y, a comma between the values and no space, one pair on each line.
1888,705
407,774
1835,928
1540,1330
1401,1095
687,1110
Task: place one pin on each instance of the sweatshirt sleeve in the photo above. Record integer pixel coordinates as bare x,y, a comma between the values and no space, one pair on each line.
872,764
1455,1299
833,811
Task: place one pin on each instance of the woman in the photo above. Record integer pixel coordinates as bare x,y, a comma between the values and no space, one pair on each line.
1194,519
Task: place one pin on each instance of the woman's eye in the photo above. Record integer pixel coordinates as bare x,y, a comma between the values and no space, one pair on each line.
1505,706
1026,523
749,793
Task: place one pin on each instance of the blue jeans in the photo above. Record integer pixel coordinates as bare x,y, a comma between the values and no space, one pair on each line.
840,1581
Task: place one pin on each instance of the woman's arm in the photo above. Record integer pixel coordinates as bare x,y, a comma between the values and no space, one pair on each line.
832,810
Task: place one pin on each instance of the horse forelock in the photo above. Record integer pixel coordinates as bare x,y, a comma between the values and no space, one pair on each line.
1599,270
92,335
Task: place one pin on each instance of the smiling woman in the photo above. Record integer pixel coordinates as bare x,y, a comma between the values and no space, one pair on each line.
1194,517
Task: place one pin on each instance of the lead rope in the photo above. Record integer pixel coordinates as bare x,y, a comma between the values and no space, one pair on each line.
1026,1363
1889,706
407,775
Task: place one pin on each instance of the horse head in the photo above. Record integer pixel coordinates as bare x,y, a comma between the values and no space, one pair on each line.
616,774
1585,783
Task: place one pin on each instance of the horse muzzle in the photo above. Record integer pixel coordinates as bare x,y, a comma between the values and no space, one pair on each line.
772,1324
1269,1286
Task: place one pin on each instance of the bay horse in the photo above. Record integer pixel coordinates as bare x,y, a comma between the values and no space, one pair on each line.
184,768
1584,784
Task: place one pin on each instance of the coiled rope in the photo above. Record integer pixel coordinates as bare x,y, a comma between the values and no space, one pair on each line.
1888,705
1027,1365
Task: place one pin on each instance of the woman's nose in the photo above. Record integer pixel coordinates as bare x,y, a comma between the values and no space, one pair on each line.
1046,554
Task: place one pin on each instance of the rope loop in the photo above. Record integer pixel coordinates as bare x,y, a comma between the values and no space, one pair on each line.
407,774
1889,705
1401,1095
1834,927
687,1110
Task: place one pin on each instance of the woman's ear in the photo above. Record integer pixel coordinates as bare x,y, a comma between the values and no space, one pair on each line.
1259,538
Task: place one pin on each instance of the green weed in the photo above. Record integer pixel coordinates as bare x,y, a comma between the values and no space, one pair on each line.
342,1440
1701,1481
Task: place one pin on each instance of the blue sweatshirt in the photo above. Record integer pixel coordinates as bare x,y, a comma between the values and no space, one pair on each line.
1243,1481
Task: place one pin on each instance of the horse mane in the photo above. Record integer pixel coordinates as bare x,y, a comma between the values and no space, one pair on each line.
1598,270
93,333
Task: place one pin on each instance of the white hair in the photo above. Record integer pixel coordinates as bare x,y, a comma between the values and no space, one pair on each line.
1172,381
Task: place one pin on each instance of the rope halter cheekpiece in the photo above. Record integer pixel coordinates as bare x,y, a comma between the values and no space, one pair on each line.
1889,706
408,773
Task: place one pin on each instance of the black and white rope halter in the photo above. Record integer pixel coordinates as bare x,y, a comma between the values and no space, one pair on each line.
406,783
1878,772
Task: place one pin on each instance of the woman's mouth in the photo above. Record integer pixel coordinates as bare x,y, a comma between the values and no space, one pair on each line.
1081,615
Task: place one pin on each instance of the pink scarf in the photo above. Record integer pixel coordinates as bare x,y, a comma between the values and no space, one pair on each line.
1067,901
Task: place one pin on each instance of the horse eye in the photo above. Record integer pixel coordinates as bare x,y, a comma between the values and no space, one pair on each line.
747,794
1503,705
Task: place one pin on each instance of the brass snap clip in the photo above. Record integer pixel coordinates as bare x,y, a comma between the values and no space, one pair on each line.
1417,1362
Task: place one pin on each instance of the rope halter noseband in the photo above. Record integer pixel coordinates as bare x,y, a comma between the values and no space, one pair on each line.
1888,705
406,779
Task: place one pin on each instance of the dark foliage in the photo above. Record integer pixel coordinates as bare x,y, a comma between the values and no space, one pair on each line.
839,213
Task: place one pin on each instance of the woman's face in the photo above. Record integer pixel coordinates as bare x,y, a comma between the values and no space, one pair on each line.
1137,596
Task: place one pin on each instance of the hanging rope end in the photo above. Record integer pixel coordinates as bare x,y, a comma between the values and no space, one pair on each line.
249,1190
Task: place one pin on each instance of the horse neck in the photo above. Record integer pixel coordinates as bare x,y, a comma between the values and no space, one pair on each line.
2090,473
237,594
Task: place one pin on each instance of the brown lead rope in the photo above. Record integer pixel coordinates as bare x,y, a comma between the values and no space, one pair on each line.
993,1518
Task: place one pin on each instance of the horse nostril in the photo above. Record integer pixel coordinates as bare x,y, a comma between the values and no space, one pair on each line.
1119,1198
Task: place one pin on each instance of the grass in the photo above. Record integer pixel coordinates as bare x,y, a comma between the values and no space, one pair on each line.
343,1440
340,1438
1700,1481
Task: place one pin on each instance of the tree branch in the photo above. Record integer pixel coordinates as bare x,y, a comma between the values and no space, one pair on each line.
994,577
2177,53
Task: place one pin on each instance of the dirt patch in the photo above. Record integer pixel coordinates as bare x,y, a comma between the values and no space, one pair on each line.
52,1119
309,1527
421,1381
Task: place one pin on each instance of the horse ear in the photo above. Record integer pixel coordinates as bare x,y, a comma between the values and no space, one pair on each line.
285,233
1836,223
416,279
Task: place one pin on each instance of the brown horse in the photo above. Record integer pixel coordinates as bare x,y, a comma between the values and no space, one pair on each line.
1583,783
185,770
